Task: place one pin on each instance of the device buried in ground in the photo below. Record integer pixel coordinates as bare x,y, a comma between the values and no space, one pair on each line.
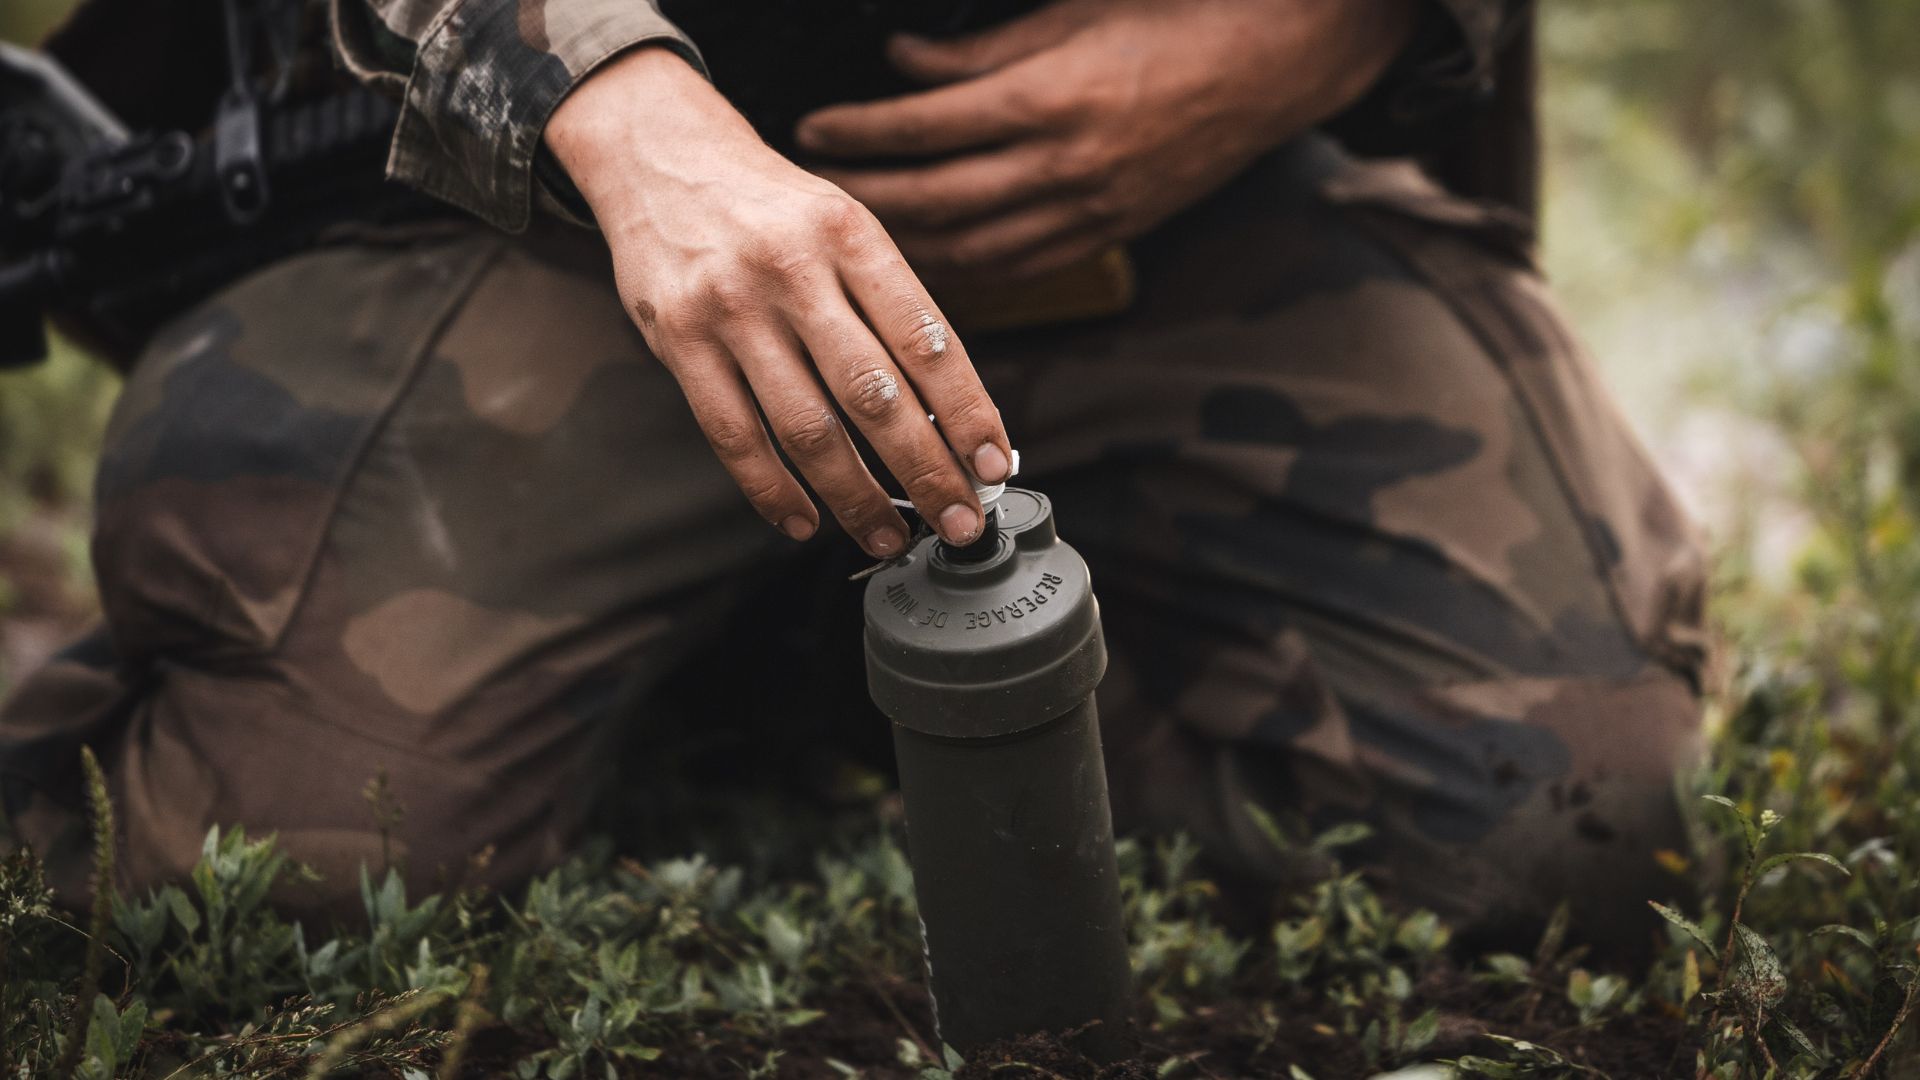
986,657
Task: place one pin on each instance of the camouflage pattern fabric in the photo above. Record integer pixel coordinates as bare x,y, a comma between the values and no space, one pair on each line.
479,78
1370,541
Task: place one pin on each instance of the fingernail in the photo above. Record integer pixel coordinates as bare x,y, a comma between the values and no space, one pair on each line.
808,136
989,464
884,542
797,527
960,524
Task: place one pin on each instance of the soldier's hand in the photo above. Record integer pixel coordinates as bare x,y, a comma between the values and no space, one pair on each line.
767,290
1090,121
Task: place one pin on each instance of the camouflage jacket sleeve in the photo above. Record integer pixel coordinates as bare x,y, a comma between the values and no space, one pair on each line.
477,80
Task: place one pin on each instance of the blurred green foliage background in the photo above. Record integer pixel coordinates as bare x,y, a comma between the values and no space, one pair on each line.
51,419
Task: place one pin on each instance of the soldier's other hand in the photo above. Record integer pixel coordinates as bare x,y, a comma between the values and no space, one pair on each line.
768,290
1089,122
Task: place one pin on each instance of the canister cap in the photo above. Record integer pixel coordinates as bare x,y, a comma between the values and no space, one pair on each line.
1028,517
989,645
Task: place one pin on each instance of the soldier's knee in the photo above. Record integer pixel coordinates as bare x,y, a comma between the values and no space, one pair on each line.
431,827
215,485
1493,807
204,753
1599,835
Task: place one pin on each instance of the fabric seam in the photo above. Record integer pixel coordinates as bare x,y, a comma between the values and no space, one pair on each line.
459,294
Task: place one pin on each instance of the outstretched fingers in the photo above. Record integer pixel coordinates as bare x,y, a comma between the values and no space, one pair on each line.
945,120
807,427
946,60
919,340
881,400
726,413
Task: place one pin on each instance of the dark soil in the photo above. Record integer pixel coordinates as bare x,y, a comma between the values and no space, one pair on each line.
863,1027
1220,1041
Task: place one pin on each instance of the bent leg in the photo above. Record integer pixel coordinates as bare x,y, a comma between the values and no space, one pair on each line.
1371,544
419,509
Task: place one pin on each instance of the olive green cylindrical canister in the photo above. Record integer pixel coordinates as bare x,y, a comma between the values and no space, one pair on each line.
986,658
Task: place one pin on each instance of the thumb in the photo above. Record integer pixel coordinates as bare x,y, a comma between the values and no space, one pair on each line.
947,60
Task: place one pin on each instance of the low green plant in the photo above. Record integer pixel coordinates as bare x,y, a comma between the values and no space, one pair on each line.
1799,963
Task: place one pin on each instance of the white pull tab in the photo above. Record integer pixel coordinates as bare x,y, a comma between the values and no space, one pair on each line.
990,493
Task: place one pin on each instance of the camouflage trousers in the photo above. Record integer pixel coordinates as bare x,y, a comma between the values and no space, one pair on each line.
1370,540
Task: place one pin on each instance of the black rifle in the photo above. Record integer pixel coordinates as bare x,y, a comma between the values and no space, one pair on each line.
117,233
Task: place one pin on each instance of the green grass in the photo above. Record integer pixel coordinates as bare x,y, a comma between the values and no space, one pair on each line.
1799,961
